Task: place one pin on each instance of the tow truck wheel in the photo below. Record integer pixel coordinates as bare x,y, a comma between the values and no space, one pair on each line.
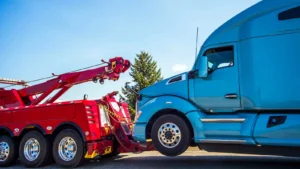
68,149
7,151
34,150
170,135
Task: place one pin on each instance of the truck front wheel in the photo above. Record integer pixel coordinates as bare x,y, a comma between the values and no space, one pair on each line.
7,151
170,135
68,149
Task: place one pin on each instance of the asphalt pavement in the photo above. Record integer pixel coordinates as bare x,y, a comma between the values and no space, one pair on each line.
192,158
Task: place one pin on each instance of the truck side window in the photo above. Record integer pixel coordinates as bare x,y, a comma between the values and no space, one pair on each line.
290,14
220,57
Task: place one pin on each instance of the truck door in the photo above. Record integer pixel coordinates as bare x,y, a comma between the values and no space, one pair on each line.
219,92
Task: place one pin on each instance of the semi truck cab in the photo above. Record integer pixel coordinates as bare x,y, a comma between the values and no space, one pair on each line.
242,94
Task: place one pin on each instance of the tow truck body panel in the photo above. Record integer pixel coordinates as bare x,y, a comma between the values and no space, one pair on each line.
47,117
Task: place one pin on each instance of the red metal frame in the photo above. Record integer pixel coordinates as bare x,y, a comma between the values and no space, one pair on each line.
122,124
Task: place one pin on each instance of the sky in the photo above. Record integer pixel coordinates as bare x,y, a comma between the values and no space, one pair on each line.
38,38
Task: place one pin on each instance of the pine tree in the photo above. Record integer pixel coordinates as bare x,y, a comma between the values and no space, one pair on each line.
144,72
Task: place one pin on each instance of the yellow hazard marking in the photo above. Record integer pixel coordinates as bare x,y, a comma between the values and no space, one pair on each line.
113,64
107,150
106,130
93,155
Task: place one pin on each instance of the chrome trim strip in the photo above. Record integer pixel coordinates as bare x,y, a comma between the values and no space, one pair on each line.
216,141
235,120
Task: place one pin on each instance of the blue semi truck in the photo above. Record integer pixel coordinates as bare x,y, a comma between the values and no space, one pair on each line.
242,94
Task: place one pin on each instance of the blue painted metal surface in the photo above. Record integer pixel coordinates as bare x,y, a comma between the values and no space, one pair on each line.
209,92
164,102
287,134
212,129
139,132
264,78
178,88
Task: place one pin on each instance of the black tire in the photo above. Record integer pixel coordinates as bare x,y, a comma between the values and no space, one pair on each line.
78,159
176,146
50,160
10,147
44,150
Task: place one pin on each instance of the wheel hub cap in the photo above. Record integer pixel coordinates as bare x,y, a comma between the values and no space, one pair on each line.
169,135
4,151
32,149
67,149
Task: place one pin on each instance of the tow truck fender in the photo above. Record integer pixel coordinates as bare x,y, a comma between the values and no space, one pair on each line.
153,106
7,130
79,130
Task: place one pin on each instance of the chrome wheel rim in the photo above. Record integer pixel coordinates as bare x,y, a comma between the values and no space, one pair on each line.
4,151
169,135
32,149
67,149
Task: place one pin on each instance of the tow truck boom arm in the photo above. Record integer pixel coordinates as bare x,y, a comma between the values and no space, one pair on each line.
63,82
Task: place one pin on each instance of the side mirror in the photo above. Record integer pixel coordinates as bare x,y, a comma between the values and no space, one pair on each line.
203,68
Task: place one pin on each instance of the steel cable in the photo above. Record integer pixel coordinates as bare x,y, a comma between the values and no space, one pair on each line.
31,81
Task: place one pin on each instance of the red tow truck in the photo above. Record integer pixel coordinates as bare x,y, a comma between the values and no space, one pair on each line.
37,130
